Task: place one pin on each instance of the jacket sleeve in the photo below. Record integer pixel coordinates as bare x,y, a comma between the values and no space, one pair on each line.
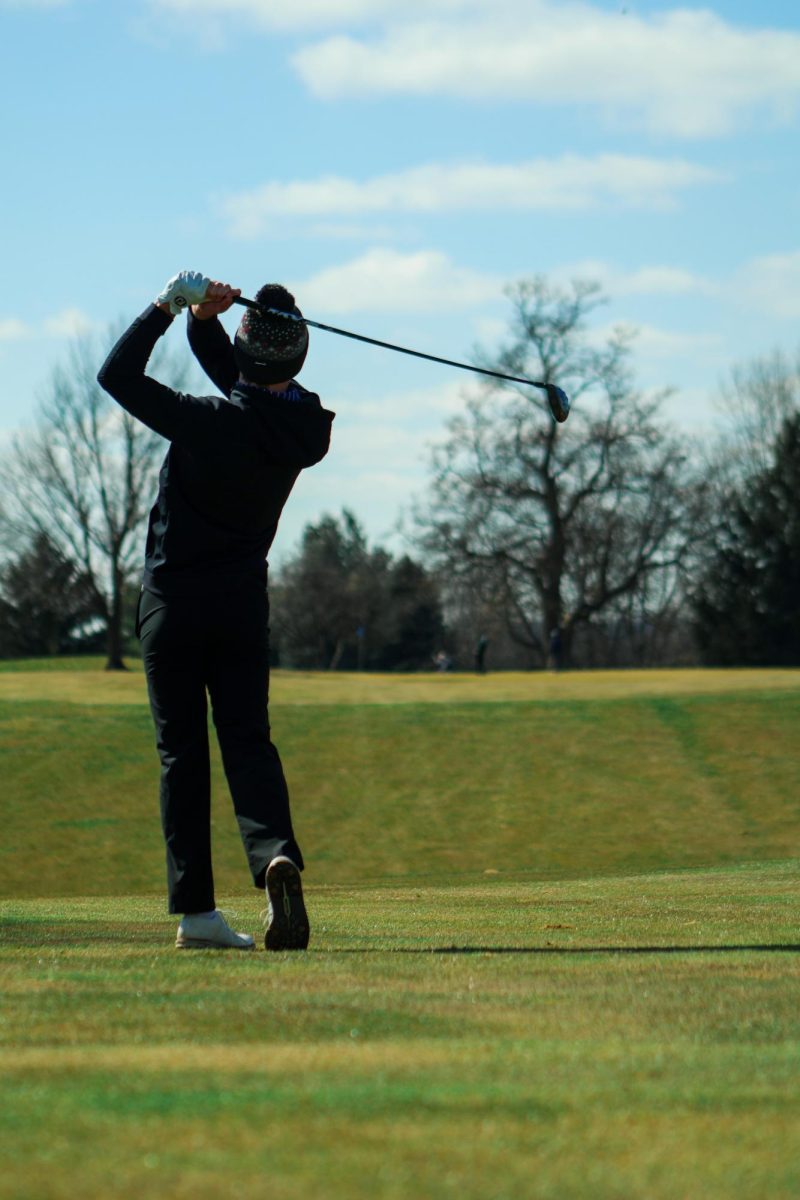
213,349
170,413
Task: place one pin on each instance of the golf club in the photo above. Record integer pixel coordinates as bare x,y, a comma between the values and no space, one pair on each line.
558,399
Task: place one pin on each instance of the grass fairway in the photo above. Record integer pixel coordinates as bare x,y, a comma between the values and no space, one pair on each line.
629,1037
555,947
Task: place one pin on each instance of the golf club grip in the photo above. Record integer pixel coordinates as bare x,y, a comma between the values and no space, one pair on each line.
559,402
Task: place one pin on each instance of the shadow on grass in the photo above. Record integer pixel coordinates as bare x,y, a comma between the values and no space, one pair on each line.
765,948
74,934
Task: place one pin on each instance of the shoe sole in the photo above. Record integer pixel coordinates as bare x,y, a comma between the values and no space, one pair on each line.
202,944
288,929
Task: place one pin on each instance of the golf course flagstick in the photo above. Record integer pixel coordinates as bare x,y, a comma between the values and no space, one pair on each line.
558,399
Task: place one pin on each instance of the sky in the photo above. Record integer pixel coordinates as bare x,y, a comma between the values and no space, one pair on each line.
398,164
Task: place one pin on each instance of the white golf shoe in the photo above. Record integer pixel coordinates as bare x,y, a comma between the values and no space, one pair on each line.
211,933
287,920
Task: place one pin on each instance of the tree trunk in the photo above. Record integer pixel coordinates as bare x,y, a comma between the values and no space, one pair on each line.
337,655
554,633
114,627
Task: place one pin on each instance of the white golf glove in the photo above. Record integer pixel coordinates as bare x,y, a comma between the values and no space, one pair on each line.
185,288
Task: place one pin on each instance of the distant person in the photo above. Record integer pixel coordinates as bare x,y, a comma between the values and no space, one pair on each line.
203,610
480,654
442,661
556,649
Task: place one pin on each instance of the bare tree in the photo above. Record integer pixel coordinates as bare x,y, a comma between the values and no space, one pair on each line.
85,476
755,401
559,523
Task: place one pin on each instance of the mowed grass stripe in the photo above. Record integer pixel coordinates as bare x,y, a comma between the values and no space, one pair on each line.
82,681
421,791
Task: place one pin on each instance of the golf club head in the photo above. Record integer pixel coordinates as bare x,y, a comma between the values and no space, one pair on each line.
559,402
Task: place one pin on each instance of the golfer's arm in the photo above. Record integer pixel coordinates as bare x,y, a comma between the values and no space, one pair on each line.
123,376
212,348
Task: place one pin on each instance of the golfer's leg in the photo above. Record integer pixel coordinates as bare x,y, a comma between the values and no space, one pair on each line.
172,654
238,683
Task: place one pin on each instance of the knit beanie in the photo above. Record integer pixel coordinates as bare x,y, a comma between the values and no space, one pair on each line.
270,349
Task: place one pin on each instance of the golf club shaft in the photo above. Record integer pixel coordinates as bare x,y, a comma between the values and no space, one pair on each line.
360,337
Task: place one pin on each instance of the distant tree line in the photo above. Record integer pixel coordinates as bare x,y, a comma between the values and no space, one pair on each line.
337,604
607,541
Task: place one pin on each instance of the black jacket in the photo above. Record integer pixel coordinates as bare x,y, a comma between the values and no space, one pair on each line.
231,464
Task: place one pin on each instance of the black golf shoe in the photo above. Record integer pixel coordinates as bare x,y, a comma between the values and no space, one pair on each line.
287,919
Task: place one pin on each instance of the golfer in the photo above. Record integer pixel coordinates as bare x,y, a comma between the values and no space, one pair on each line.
203,610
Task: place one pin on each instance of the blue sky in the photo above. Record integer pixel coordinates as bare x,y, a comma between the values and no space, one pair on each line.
397,163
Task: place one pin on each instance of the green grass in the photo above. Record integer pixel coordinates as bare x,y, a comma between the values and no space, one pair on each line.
72,663
555,947
630,1037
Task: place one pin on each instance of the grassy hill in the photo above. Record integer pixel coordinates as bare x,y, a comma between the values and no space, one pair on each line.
417,777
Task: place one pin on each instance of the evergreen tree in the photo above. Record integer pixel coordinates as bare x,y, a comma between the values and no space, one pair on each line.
415,624
44,599
340,604
747,607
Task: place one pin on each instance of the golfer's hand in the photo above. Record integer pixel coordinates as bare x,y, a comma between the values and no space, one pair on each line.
185,288
219,298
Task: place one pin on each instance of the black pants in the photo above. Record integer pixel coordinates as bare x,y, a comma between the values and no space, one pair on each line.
218,644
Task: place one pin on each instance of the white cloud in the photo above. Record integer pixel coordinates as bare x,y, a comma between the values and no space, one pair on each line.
377,496
489,331
769,284
571,182
683,72
70,322
655,343
389,281
660,281
772,283
12,329
352,232
384,280
369,443
655,280
411,408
